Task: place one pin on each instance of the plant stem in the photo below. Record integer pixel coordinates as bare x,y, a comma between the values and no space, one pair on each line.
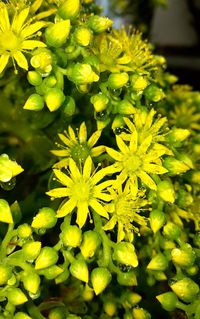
10,233
34,311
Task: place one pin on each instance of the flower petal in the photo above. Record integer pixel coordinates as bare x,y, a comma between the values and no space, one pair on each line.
32,28
134,141
63,178
82,213
66,140
102,186
32,44
21,60
3,62
19,20
114,154
122,146
145,145
154,169
58,192
75,173
61,153
87,169
98,208
147,180
98,150
82,134
4,21
110,224
72,134
67,208
94,138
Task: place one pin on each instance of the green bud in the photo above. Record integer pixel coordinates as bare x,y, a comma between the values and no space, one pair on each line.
8,168
185,289
99,101
34,78
140,313
54,99
57,313
174,166
193,270
83,36
57,34
99,24
42,60
91,241
100,278
195,177
69,9
165,191
50,81
31,250
118,124
16,212
81,73
130,299
196,239
124,253
157,220
110,307
127,278
138,82
48,256
79,270
35,102
21,315
31,281
186,159
69,106
6,273
117,80
177,135
185,199
63,276
52,272
45,218
5,212
88,293
154,93
171,231
16,296
24,231
125,107
158,262
183,257
168,300
71,236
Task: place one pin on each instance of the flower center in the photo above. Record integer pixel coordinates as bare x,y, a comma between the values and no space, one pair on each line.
81,191
80,152
131,163
9,42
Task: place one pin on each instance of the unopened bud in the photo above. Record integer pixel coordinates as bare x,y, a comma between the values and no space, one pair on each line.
69,9
88,293
24,231
157,220
57,34
21,315
5,212
6,273
34,78
110,307
79,270
183,257
158,262
100,278
117,80
31,250
125,107
63,276
16,296
99,102
54,99
57,313
48,256
124,253
166,191
69,106
140,313
91,241
71,236
83,36
127,278
31,281
8,168
42,60
35,102
174,166
52,272
177,135
130,299
45,218
138,82
81,73
168,300
99,24
171,231
185,289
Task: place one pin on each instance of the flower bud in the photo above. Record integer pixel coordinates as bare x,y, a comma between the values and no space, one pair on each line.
24,231
69,9
174,166
71,236
69,106
5,212
16,296
8,168
34,78
118,124
165,191
57,313
171,231
99,24
79,270
31,250
158,262
45,218
154,93
130,299
125,107
177,135
35,102
91,241
83,36
99,102
48,256
6,273
81,73
110,307
140,313
42,60
54,99
88,293
21,315
157,219
52,272
185,289
31,281
186,159
127,278
63,276
16,212
168,300
117,80
124,253
184,257
57,34
100,278
138,82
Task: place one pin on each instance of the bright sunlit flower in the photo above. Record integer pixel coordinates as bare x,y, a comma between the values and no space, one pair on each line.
82,190
137,161
125,211
16,37
77,146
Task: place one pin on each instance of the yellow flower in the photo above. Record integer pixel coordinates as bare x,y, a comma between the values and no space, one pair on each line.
186,117
16,37
83,190
125,209
77,146
136,161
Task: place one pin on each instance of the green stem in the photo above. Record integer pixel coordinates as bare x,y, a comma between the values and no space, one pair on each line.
68,256
34,311
5,242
